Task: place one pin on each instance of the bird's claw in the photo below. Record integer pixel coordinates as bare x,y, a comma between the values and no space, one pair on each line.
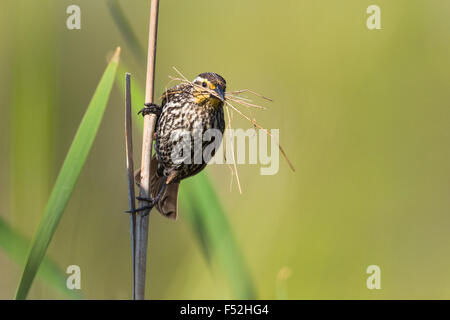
150,108
147,208
151,201
144,208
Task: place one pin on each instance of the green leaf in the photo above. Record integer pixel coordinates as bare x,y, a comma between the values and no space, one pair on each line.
208,219
16,247
126,30
206,216
68,176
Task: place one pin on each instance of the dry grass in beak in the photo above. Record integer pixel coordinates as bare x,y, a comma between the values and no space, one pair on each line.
252,92
232,152
256,124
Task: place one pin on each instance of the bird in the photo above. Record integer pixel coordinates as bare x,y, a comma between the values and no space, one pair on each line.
189,108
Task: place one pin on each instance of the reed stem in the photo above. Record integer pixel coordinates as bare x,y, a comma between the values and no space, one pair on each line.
130,176
142,219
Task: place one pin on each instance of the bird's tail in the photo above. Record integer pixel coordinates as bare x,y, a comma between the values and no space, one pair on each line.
168,202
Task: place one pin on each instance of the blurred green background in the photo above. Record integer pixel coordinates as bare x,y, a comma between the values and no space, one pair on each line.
364,116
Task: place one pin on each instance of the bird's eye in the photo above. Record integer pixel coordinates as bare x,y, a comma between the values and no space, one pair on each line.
204,84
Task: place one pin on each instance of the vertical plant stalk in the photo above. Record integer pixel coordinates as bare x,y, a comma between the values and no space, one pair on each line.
147,142
130,176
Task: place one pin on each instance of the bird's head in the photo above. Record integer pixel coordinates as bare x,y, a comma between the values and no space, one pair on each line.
209,89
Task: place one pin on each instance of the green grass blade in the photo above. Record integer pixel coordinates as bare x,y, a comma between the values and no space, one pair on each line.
207,218
203,209
16,247
68,176
126,30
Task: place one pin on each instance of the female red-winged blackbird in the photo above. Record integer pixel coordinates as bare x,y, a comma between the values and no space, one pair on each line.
186,112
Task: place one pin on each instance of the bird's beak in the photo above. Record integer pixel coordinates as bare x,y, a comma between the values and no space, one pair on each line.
220,93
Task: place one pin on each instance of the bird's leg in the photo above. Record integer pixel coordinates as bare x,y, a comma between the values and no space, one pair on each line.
150,108
152,201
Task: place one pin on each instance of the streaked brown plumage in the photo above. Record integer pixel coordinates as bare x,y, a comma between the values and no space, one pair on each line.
189,108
